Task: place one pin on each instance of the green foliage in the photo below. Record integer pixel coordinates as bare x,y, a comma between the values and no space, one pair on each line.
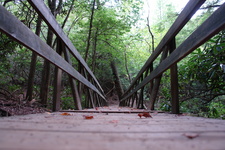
67,101
202,77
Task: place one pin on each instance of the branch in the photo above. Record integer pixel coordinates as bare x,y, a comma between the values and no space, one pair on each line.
7,2
68,14
109,44
210,6
152,36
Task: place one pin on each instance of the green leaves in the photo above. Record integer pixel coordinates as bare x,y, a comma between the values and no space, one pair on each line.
202,76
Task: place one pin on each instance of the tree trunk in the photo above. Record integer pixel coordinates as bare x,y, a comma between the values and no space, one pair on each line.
46,69
33,64
89,32
73,84
68,14
94,50
118,85
46,73
126,66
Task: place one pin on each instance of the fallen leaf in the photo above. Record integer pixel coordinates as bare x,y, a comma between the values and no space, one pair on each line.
88,117
145,114
140,115
191,135
65,114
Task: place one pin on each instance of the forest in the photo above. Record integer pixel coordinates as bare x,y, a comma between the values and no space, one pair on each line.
115,38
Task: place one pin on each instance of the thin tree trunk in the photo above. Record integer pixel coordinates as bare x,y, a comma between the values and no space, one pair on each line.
152,36
94,51
118,85
46,69
33,64
46,73
73,84
65,20
68,14
89,32
126,66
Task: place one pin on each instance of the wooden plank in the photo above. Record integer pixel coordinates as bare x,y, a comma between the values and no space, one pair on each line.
214,24
43,11
183,18
110,131
111,111
10,25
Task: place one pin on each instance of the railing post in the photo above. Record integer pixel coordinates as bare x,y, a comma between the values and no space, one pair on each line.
57,80
174,82
156,83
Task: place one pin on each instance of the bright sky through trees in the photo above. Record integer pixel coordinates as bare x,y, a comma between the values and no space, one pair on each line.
151,7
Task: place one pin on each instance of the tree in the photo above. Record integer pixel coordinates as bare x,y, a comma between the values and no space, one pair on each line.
202,75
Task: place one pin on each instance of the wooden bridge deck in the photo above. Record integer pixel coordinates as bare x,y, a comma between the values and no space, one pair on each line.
110,131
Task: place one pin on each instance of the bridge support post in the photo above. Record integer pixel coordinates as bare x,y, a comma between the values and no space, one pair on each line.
57,80
174,82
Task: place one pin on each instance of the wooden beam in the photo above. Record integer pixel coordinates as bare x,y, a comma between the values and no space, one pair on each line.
214,24
57,89
11,26
183,18
174,82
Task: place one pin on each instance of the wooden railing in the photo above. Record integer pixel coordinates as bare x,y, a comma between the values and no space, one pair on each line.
15,29
167,46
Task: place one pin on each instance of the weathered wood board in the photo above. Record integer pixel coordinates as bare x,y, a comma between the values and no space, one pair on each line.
111,131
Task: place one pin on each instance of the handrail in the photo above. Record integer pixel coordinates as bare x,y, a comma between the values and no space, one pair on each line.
43,11
20,33
182,19
214,24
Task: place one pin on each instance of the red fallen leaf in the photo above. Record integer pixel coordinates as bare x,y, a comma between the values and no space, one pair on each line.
96,108
88,117
191,135
145,114
65,114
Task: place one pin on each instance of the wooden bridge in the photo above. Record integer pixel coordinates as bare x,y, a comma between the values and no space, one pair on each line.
111,130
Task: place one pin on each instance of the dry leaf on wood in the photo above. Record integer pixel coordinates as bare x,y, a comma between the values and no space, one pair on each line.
65,114
145,114
88,117
191,135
